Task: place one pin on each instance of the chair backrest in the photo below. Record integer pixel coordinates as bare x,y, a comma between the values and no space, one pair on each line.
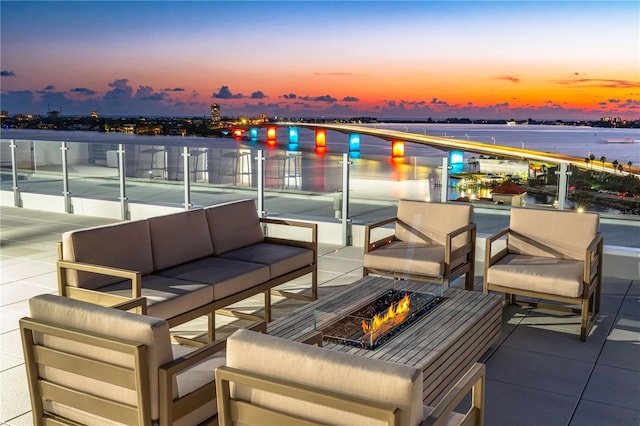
124,245
551,233
234,225
93,364
422,222
375,380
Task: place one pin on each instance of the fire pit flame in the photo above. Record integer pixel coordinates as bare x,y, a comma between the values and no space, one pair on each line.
394,314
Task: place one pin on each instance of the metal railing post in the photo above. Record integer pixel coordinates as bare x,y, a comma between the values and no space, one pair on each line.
124,202
68,208
562,185
186,156
17,201
346,237
444,179
261,182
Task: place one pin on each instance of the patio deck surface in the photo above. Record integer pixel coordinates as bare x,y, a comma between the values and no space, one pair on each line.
539,372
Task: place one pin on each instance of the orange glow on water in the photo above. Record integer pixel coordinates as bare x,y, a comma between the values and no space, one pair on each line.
271,133
397,149
321,138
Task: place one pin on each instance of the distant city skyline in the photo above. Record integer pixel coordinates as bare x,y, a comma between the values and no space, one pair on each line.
573,60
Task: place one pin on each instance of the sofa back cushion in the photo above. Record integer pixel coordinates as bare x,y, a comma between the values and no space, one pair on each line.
70,313
234,225
372,379
125,245
551,233
421,222
179,238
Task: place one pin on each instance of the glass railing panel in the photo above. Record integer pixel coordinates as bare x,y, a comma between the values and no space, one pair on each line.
93,170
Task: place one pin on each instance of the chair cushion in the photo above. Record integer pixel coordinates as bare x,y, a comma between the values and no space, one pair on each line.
281,259
551,233
373,379
179,238
166,296
234,225
125,245
226,276
429,223
548,275
66,312
412,258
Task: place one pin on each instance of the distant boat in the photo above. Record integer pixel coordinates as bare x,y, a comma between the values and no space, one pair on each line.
620,140
511,123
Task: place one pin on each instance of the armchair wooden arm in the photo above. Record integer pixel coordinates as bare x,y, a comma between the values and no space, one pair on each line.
473,380
313,227
593,259
138,305
368,244
489,258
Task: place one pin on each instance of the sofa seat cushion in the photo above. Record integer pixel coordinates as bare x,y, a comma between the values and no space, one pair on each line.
412,258
197,376
548,275
373,379
166,296
281,259
226,276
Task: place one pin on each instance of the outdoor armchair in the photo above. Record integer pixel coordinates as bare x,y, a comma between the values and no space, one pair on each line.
551,255
270,380
89,364
429,240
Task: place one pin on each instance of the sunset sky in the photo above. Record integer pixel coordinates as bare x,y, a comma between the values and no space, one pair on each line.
420,59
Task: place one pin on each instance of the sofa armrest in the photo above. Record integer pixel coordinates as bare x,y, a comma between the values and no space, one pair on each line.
139,304
489,258
473,380
313,227
63,265
464,250
368,244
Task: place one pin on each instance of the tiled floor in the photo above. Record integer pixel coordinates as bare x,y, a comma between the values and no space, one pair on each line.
539,373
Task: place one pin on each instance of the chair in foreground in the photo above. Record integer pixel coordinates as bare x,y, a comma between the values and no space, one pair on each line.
89,364
430,240
269,380
552,255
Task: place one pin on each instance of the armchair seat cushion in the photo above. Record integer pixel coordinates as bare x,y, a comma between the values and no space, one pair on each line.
166,296
562,277
226,276
281,259
411,258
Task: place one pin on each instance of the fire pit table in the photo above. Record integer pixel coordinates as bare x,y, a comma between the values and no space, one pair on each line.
446,333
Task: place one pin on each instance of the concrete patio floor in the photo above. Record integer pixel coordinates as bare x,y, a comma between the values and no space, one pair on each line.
538,373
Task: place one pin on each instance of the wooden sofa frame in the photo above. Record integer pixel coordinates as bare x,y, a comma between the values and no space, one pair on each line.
209,310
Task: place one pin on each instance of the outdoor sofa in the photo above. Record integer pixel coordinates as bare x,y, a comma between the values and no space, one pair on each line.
189,264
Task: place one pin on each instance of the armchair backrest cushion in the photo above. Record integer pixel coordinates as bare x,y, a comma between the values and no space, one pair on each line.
95,319
422,222
234,225
373,379
551,233
179,238
125,245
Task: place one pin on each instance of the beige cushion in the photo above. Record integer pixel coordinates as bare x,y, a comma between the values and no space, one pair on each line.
71,313
234,225
281,259
429,223
179,238
551,233
562,277
125,245
166,296
372,379
226,276
413,258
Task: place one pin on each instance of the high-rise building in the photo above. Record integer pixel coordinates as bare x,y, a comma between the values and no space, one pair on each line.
215,113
